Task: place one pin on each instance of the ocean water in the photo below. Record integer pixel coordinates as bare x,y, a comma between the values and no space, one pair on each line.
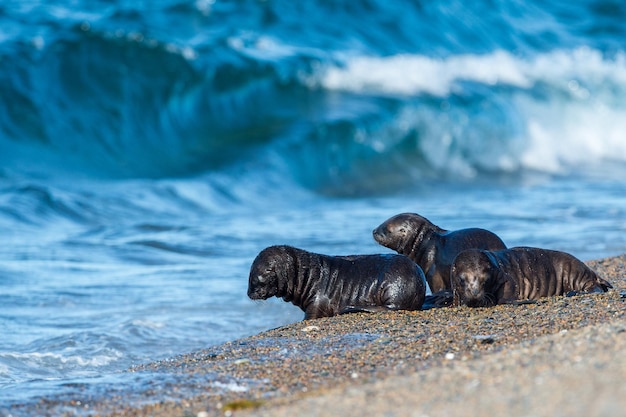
150,149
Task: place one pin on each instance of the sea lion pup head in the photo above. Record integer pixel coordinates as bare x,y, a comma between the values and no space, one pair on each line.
401,231
475,279
267,272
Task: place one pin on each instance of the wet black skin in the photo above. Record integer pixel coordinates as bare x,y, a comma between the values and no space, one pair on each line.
324,286
432,247
483,278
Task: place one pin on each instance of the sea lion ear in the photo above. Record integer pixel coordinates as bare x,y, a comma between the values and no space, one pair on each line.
502,278
508,286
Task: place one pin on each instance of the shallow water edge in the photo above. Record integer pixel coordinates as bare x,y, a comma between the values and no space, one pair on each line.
287,363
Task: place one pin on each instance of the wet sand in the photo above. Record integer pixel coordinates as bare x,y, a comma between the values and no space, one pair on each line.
559,356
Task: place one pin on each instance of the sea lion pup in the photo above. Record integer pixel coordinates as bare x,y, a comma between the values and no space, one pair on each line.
430,246
324,286
482,278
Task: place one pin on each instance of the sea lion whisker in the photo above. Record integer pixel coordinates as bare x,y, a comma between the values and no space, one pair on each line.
489,299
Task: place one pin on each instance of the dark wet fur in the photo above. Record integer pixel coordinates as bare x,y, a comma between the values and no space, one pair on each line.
324,286
519,275
430,246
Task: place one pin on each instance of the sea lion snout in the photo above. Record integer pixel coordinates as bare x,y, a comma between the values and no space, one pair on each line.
468,285
378,234
473,286
389,232
255,291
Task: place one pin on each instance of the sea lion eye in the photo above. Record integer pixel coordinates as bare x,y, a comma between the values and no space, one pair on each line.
265,274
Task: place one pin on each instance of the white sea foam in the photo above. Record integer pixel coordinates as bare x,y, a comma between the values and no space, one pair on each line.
570,135
568,105
417,74
20,367
149,324
231,386
414,74
54,360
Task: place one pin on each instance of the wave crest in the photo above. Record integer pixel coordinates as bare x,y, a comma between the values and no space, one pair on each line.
478,115
105,103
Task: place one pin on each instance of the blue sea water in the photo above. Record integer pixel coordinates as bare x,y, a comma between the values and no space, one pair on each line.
150,149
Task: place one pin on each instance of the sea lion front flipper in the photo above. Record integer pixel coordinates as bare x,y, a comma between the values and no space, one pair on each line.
602,286
365,309
596,289
439,299
518,302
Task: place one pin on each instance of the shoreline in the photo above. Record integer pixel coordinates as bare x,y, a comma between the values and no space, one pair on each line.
431,362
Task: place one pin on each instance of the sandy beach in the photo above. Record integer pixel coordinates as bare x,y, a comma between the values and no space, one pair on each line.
561,356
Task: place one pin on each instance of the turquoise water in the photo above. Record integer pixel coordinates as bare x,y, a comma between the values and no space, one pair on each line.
149,151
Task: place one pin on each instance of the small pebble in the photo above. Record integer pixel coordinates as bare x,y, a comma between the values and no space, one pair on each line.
449,356
310,329
488,338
